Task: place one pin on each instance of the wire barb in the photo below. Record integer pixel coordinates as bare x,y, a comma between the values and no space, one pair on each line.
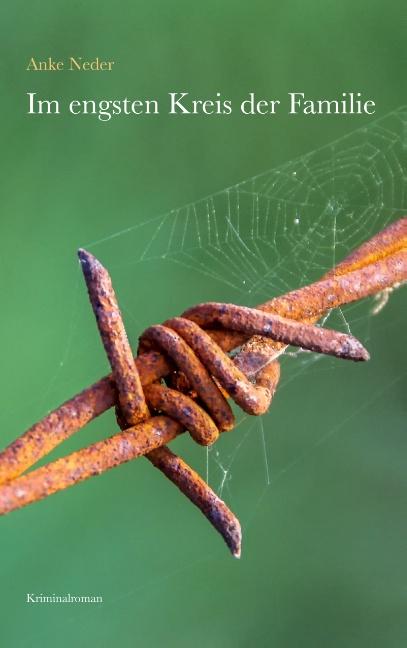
132,405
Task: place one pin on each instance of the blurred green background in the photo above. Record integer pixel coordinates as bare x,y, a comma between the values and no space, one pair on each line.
322,496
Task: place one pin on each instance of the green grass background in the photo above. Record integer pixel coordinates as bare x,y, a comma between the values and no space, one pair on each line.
324,549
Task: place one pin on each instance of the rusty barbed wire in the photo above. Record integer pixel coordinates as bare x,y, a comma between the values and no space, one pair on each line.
199,359
199,374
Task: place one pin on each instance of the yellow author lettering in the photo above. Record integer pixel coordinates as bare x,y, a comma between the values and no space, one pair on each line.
72,64
96,65
48,65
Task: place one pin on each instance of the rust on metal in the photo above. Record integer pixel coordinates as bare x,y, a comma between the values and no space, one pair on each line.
198,492
182,349
131,400
71,416
87,462
184,409
132,405
184,358
256,322
75,413
377,264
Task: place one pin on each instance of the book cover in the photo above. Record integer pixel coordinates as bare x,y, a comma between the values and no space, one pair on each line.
203,246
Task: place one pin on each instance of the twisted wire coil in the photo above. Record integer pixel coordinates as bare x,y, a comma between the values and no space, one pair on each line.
209,370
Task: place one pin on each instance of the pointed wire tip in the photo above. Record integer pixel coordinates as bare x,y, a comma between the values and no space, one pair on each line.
365,354
91,266
360,353
233,539
237,554
85,256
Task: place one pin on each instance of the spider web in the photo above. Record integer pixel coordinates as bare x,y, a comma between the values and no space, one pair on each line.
315,209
